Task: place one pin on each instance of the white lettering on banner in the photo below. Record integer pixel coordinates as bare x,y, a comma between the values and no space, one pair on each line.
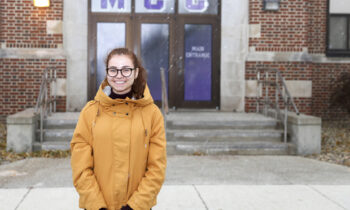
197,55
198,48
197,52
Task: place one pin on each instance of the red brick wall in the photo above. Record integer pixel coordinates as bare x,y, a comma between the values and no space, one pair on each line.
290,71
24,26
284,30
317,26
323,77
20,81
298,24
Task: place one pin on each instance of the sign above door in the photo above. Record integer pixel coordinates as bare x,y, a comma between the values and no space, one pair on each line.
156,6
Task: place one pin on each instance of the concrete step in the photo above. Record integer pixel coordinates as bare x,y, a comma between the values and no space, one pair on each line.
232,148
194,124
190,148
219,120
64,135
65,120
51,145
207,133
224,134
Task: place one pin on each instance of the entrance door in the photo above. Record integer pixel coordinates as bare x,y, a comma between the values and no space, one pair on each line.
105,34
197,63
154,45
181,36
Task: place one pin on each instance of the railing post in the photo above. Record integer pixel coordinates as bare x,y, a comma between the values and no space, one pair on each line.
285,121
276,94
258,92
266,92
49,81
46,100
54,100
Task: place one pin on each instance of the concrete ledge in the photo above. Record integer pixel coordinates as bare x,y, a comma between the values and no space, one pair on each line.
303,119
304,131
21,131
293,56
33,53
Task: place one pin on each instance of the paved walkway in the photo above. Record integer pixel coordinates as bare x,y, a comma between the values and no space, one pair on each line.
207,182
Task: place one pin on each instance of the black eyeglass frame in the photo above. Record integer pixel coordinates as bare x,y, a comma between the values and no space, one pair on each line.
121,71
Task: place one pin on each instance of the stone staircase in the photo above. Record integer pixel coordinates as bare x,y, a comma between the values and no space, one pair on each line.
58,131
192,133
214,133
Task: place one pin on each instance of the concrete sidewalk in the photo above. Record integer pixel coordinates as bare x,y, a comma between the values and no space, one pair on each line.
192,182
199,197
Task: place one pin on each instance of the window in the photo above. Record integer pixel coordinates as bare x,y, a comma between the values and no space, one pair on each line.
338,35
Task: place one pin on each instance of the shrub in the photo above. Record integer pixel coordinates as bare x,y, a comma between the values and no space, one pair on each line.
340,97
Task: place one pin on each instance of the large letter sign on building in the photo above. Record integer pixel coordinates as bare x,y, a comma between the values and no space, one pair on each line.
197,5
112,2
111,6
154,4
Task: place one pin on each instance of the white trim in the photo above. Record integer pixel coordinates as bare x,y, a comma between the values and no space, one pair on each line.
234,49
75,44
294,57
33,53
339,6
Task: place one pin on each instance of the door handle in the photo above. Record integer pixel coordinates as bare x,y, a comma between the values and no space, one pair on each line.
92,68
179,64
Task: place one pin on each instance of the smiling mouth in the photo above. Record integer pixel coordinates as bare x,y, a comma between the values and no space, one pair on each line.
120,82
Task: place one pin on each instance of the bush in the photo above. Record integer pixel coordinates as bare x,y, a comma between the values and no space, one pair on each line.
340,97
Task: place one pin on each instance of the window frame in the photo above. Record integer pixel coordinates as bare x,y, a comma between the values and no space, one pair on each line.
337,52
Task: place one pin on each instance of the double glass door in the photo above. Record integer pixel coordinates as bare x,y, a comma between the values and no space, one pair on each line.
187,46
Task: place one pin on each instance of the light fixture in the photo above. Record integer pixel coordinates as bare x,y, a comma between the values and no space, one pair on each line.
271,5
41,3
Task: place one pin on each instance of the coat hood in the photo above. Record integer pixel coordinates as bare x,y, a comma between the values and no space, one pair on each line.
107,101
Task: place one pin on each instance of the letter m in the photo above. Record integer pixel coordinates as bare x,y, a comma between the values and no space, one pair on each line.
112,3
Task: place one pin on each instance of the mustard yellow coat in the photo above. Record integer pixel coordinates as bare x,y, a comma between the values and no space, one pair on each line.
118,153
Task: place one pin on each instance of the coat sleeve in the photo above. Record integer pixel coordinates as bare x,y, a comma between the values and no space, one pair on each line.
145,195
84,179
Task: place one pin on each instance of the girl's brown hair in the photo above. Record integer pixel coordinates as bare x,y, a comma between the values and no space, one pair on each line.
140,82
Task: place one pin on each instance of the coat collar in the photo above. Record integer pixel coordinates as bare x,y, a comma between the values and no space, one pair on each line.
107,101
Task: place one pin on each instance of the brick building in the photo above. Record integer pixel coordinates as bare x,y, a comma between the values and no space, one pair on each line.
211,48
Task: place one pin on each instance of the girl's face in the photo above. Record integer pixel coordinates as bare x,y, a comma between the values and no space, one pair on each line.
121,84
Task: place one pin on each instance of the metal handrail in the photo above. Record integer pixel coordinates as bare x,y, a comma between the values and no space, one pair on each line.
279,91
165,107
46,102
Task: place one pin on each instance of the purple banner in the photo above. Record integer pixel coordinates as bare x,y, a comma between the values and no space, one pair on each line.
112,2
198,62
149,5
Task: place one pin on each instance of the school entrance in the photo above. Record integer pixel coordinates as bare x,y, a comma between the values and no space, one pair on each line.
181,36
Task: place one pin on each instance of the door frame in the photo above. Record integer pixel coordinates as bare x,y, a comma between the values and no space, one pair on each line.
92,39
215,58
133,22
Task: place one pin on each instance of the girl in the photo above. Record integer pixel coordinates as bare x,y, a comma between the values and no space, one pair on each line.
119,147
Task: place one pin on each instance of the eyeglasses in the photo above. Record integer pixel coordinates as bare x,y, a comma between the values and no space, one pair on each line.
113,72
